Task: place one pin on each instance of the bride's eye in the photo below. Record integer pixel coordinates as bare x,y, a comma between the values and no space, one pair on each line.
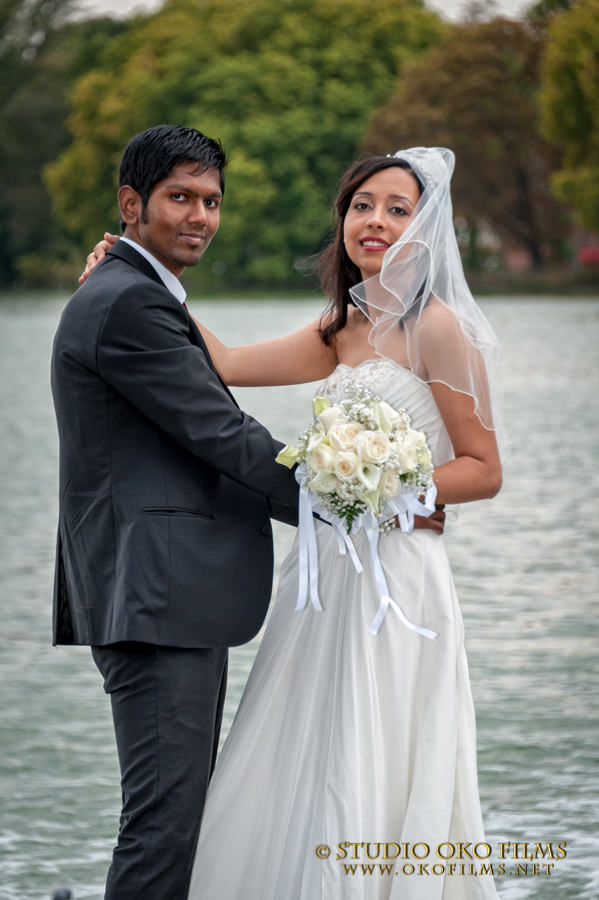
360,205
399,211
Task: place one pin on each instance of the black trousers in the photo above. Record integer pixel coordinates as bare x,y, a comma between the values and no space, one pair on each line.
167,706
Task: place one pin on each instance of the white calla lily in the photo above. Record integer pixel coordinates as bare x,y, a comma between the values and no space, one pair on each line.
323,483
315,439
369,475
319,404
387,417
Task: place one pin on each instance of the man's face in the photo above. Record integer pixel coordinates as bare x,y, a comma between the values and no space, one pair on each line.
181,217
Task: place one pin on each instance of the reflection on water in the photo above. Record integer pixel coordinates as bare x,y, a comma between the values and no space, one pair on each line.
525,565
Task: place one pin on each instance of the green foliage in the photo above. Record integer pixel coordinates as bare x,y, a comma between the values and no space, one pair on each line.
288,86
570,106
476,93
33,108
546,9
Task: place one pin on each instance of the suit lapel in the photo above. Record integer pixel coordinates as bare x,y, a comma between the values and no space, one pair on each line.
196,338
129,255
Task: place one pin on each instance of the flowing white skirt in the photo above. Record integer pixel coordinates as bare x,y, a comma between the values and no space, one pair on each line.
344,738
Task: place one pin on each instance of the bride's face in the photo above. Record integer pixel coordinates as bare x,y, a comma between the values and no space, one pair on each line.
378,215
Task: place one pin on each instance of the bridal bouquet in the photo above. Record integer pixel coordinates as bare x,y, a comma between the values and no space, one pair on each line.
360,454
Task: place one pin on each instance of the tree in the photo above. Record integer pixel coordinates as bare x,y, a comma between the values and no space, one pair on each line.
476,93
570,106
25,25
288,87
39,57
544,10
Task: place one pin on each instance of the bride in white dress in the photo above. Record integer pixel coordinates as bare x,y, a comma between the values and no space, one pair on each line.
360,743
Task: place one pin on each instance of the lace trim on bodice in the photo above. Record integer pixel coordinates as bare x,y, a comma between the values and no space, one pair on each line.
370,373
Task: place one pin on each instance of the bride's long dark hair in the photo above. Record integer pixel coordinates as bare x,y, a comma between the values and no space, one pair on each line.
337,272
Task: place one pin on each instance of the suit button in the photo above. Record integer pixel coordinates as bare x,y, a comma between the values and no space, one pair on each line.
266,530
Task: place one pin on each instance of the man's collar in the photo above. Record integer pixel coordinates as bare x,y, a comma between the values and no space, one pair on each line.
170,281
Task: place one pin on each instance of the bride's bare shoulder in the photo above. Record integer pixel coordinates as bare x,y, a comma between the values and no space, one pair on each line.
438,322
437,313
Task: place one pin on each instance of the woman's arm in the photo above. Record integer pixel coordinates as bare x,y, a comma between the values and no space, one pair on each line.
293,359
475,473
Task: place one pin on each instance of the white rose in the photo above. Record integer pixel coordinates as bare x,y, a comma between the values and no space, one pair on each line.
369,476
418,437
329,417
390,485
386,416
346,464
373,446
409,448
407,459
323,483
342,435
321,459
426,460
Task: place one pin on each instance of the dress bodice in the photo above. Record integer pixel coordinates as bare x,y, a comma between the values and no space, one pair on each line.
402,389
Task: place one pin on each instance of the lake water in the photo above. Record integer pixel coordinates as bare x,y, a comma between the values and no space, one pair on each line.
526,567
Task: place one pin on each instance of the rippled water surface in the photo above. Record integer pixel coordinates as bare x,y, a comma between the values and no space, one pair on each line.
526,567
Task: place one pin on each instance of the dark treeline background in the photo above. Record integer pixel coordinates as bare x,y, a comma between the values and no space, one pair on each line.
296,90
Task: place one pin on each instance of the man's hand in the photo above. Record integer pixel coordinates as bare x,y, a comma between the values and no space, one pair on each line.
434,522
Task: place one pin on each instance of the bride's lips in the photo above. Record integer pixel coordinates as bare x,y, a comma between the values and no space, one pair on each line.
374,244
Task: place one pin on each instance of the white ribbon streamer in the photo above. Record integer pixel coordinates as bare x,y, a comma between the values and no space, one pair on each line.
373,534
308,554
405,506
345,543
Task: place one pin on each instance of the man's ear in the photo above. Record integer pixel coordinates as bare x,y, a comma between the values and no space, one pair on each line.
130,205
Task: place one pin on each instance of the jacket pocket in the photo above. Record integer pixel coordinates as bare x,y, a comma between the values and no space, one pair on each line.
182,511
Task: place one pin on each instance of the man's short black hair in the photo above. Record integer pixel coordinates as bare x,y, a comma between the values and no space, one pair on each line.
152,154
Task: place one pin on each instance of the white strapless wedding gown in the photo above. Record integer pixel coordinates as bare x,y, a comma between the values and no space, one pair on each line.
345,736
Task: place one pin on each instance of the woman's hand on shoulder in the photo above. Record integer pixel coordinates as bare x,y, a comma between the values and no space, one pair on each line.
98,254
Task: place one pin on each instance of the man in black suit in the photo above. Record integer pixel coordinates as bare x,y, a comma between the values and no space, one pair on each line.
164,552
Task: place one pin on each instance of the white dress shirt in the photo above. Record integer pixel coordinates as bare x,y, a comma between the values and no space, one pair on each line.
170,281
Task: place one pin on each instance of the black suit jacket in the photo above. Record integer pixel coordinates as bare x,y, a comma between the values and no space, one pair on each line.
166,486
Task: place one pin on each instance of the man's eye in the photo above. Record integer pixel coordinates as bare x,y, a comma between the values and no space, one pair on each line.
177,195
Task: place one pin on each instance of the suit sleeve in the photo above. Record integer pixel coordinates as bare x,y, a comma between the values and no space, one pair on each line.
144,352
